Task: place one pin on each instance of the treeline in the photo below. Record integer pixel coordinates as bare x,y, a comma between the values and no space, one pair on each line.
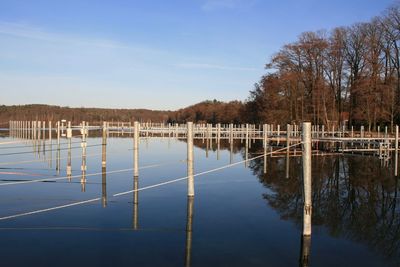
76,115
211,112
346,74
206,111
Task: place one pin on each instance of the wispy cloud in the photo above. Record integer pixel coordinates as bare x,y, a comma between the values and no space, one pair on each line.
31,32
213,67
22,30
210,5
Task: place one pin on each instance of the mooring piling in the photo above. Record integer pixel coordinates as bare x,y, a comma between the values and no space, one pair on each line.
307,183
396,152
104,145
136,137
190,159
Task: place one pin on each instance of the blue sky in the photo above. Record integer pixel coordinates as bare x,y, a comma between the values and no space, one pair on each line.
161,54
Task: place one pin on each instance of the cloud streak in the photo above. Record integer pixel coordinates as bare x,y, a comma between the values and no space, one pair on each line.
26,31
213,67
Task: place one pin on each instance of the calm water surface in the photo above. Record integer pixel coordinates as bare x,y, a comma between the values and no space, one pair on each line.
238,217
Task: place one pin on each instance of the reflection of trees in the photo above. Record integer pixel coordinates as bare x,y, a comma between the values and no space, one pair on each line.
224,145
353,197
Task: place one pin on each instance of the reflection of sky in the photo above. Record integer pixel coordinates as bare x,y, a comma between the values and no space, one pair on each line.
233,224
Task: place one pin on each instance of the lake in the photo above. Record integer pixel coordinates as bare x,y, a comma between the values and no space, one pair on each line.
239,216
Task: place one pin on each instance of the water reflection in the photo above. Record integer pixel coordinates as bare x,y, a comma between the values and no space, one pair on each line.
353,197
189,231
305,250
135,220
104,186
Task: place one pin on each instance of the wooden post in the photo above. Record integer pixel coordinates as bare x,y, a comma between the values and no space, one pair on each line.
83,166
287,149
246,146
265,143
190,159
50,147
218,139
307,183
58,133
396,151
69,137
29,131
50,132
44,130
39,130
230,133
136,148
104,146
33,130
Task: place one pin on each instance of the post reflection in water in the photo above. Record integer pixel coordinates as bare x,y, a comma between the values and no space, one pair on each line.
353,197
58,160
104,186
231,152
305,251
135,222
189,231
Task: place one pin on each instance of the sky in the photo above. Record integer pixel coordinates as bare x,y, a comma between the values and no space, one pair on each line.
154,54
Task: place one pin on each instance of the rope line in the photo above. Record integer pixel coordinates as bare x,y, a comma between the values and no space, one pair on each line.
140,189
202,173
49,209
80,175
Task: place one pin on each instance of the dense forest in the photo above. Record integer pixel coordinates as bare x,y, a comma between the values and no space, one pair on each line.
212,112
93,115
207,111
345,75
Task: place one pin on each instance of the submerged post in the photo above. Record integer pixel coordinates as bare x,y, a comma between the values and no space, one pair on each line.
190,159
306,140
136,126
